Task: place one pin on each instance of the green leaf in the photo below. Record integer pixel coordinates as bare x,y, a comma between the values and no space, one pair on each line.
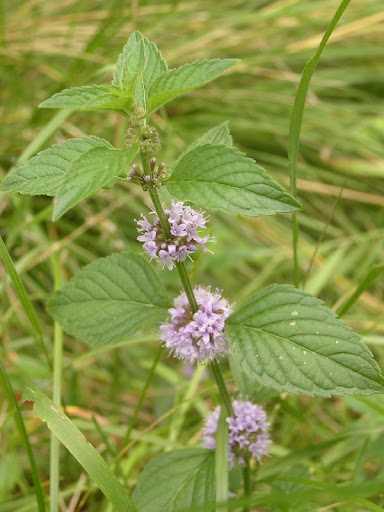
45,172
184,79
94,170
110,299
219,134
90,97
222,178
89,458
139,55
290,341
177,481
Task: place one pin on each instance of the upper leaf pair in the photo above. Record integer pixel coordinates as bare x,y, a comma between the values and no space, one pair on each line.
210,173
141,78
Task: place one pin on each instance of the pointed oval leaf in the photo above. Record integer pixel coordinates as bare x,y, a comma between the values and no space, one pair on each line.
219,134
94,170
177,481
222,178
44,173
288,340
89,458
139,55
110,299
89,98
185,79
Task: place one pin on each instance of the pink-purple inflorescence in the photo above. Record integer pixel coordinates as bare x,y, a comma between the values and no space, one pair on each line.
184,238
248,432
199,336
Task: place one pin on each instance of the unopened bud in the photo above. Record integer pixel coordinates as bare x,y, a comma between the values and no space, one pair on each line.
152,163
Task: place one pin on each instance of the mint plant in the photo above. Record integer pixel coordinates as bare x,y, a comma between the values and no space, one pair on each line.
280,337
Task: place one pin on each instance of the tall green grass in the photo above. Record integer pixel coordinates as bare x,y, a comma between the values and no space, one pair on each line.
331,458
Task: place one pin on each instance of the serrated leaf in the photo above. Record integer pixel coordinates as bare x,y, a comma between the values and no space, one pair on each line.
110,299
184,79
89,98
288,340
176,481
139,55
221,178
89,458
95,169
45,172
219,134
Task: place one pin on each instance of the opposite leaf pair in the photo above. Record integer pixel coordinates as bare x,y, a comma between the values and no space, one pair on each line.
280,337
210,173
141,79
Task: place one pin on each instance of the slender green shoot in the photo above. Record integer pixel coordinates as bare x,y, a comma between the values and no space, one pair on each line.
295,129
10,396
54,480
22,295
221,460
363,285
247,484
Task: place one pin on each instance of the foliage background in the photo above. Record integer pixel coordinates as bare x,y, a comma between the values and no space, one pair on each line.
328,454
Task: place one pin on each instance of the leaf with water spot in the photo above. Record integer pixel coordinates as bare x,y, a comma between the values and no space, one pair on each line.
286,339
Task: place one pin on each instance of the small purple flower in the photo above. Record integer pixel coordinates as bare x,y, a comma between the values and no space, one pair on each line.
184,223
197,336
248,431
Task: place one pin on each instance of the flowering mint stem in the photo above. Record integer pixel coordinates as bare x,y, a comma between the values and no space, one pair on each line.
215,368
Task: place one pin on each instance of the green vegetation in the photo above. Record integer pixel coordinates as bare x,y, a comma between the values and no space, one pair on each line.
131,403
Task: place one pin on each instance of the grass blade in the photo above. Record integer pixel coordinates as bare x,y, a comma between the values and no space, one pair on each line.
54,473
10,395
365,283
295,128
89,458
22,295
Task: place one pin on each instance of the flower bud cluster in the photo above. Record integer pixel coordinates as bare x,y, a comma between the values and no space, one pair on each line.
158,173
248,432
197,336
182,239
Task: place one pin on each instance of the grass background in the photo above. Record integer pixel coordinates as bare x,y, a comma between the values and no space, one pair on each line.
328,454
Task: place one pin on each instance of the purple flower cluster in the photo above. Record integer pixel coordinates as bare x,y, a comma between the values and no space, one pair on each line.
197,336
248,431
184,239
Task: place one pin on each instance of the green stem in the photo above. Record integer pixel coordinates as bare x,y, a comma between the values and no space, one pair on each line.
54,480
10,395
247,484
221,462
187,286
219,379
22,295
